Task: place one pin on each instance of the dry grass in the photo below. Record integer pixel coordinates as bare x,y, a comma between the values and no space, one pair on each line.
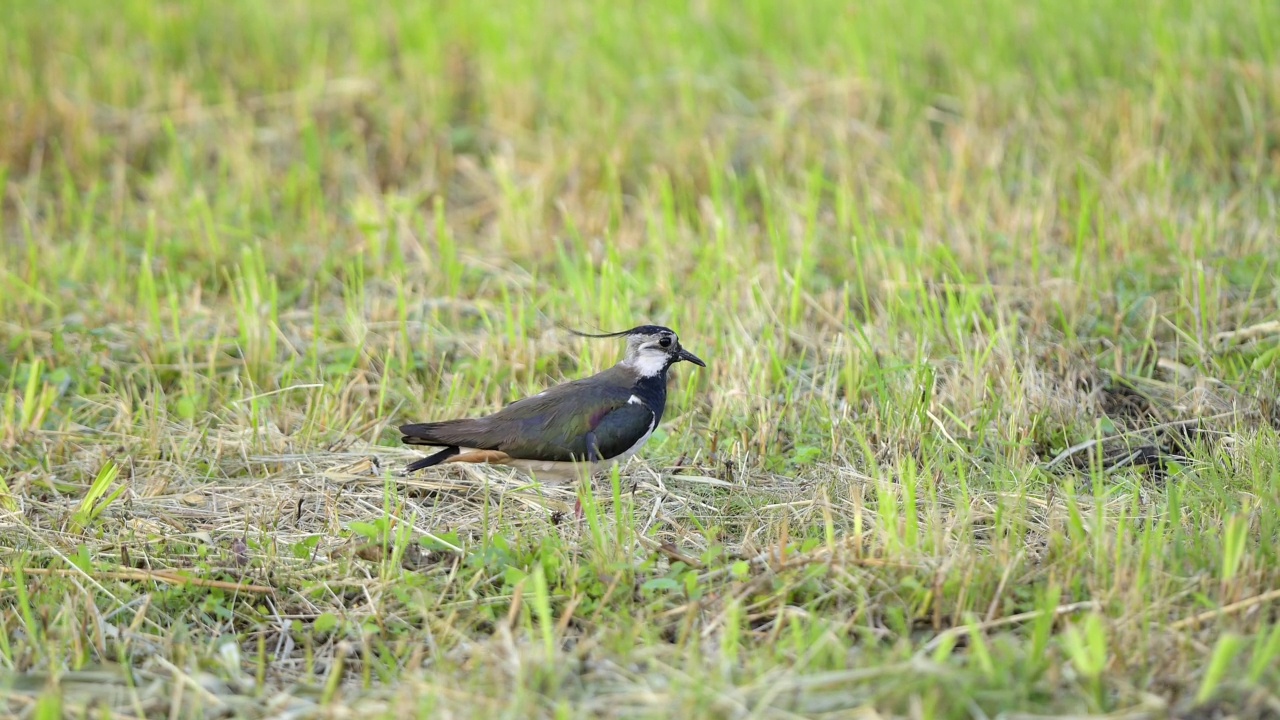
989,423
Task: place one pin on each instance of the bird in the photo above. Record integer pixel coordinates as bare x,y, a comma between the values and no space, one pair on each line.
587,424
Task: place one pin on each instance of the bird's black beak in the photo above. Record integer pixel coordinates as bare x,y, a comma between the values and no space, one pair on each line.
686,355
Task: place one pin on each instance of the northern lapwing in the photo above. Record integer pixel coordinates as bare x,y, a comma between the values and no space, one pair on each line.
586,424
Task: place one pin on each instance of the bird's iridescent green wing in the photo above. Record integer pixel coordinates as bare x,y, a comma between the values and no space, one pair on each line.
621,429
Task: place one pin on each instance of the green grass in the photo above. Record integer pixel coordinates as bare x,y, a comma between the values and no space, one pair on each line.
925,249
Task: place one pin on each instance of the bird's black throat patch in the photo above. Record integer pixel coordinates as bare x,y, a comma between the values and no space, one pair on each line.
652,391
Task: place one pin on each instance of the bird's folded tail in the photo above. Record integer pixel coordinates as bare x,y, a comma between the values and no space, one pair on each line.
464,433
453,435
433,459
423,434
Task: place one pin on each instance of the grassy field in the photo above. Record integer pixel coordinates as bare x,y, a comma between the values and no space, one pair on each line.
989,293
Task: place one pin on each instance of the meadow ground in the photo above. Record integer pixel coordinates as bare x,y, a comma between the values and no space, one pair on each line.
988,291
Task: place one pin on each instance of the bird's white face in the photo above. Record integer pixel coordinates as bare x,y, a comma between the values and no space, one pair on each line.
651,353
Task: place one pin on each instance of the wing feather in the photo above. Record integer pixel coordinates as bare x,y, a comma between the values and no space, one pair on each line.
618,431
552,425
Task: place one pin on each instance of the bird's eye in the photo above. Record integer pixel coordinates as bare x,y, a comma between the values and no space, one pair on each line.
665,342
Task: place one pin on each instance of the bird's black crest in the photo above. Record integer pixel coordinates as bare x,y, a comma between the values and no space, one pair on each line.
637,330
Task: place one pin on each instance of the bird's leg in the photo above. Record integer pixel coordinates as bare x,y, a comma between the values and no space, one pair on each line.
593,457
